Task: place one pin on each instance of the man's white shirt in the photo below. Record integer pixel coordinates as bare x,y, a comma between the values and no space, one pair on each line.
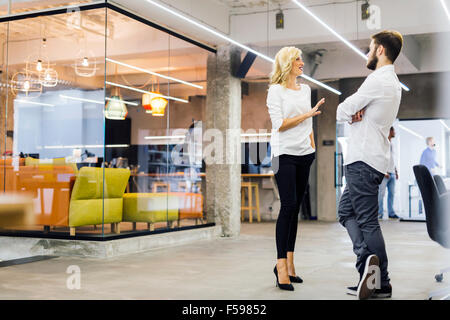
368,142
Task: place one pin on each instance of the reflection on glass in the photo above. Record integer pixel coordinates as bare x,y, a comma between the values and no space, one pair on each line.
36,5
102,157
54,120
167,78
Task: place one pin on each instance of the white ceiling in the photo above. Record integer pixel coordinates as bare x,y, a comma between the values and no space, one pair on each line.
236,4
126,44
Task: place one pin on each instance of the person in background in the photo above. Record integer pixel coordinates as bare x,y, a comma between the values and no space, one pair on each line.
428,158
389,183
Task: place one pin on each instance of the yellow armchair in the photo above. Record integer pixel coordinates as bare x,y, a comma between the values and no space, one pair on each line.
97,197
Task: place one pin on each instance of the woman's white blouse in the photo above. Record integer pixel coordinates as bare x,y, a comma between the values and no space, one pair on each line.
286,103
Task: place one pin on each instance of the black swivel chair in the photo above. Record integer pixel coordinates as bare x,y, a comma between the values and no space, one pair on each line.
440,184
437,213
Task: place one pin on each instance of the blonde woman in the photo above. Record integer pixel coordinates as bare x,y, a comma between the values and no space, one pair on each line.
293,151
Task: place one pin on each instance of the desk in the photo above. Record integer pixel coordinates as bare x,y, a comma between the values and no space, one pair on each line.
181,176
262,175
177,176
269,195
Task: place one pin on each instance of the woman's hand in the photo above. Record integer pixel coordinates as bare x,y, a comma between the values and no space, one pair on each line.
314,111
292,122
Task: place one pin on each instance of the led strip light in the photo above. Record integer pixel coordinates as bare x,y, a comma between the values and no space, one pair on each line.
222,36
445,125
34,103
97,101
445,9
411,132
163,137
88,146
123,101
81,99
154,73
143,91
346,42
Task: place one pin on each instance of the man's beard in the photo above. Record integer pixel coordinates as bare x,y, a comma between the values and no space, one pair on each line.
372,64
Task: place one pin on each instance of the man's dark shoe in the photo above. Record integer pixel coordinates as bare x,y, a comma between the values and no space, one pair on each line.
352,290
394,217
364,291
384,292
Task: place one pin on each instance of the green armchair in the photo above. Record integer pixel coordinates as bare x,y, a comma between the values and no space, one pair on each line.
89,199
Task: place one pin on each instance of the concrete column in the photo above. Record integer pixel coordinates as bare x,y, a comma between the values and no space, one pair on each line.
326,131
222,127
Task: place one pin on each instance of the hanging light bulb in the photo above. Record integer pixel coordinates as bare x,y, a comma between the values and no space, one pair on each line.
26,85
85,62
39,65
49,77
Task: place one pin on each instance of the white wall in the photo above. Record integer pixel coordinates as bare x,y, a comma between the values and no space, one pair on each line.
67,123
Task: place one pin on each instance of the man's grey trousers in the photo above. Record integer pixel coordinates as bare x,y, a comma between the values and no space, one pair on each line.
358,213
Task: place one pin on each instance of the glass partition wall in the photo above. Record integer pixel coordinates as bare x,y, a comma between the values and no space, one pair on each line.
101,120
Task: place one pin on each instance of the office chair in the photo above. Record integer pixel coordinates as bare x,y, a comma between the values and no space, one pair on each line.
440,184
442,189
437,215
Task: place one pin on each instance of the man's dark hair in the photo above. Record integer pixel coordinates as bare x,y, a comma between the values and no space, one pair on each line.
392,41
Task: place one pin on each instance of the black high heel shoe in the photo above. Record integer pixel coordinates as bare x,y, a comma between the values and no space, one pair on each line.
296,279
288,287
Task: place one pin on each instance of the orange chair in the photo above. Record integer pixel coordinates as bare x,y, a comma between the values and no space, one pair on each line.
51,188
190,206
7,173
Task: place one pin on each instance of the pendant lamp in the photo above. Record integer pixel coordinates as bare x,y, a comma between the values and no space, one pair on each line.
146,102
115,108
158,106
153,102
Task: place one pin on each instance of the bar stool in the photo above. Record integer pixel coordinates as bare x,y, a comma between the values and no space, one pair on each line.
182,186
199,187
248,187
158,184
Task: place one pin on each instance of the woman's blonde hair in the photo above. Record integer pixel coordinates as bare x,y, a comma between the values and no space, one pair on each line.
283,65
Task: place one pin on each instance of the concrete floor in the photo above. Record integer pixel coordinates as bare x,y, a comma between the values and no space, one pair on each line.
239,268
